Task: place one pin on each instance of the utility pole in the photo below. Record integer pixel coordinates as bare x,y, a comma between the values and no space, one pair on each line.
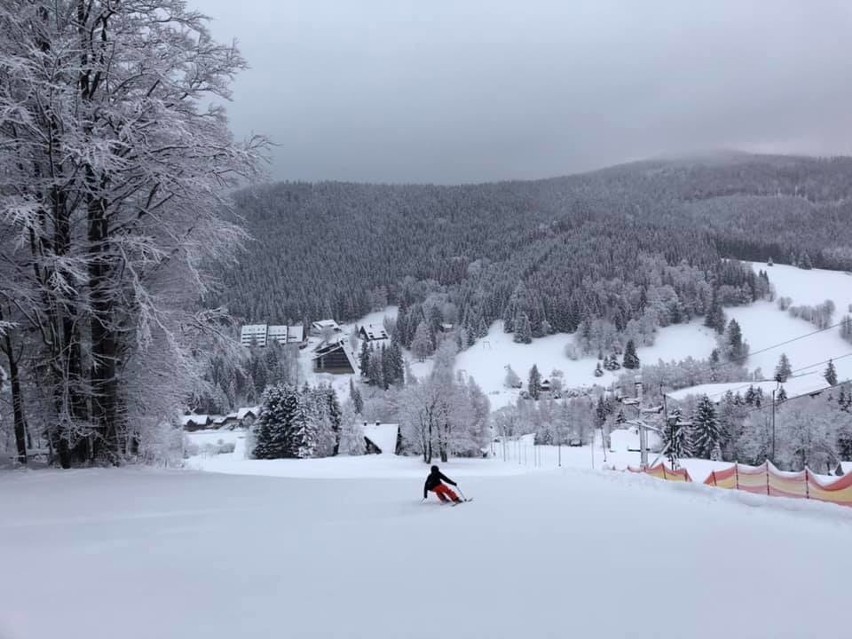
773,426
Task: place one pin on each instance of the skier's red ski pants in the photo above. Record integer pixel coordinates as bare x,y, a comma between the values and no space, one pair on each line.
445,493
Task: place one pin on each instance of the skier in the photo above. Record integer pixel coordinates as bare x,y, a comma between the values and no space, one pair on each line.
433,483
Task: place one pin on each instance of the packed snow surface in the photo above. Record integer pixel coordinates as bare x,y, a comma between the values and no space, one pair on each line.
138,554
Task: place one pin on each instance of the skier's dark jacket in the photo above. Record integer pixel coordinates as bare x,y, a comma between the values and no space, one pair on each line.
434,480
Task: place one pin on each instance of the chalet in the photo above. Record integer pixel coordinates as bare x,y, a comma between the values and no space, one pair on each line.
320,327
334,357
229,421
195,422
263,334
372,333
545,386
446,327
382,439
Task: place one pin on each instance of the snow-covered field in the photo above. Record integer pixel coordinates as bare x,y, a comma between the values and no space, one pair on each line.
138,554
763,326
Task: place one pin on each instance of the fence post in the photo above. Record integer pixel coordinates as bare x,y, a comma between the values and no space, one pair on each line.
664,471
807,486
766,464
737,473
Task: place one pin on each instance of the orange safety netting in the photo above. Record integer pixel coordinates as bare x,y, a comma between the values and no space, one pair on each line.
661,471
766,479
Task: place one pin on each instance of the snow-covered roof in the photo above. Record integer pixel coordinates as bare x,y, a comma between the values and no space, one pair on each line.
384,436
336,344
326,323
199,420
242,413
374,332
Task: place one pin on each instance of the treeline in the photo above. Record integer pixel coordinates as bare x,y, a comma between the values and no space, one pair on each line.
641,244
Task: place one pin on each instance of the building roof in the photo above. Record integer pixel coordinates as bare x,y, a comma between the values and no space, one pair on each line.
326,323
198,420
331,346
374,332
383,437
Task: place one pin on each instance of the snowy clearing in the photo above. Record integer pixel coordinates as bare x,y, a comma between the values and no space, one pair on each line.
537,555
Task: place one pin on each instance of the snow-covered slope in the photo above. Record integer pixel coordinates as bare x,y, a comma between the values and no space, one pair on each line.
559,554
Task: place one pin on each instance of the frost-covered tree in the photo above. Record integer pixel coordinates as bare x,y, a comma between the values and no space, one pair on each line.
631,359
705,434
421,344
534,382
715,316
115,159
512,380
282,428
355,397
676,438
351,433
364,359
734,346
523,331
830,374
783,370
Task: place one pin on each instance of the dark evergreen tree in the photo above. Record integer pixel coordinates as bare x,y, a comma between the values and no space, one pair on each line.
364,359
393,364
715,317
830,374
282,429
783,369
355,396
705,435
534,382
737,348
675,438
523,332
780,395
631,359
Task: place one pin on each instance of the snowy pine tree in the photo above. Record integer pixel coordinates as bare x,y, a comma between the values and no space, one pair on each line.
715,317
705,433
421,345
830,374
351,432
523,330
783,369
280,430
675,439
735,347
534,382
631,359
355,396
512,380
364,359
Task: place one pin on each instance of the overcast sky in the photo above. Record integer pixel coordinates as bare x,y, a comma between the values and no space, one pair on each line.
455,91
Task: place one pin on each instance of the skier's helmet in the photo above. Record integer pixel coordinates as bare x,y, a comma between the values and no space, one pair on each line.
434,469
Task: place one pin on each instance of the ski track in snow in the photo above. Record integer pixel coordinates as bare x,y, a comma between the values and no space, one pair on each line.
551,554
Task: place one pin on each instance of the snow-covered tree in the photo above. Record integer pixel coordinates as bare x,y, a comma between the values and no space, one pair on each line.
116,161
351,432
534,382
734,346
282,428
676,438
364,359
512,380
355,397
523,331
783,370
422,345
830,374
715,316
705,433
631,359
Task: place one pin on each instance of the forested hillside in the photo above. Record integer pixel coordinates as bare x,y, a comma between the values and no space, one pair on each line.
612,244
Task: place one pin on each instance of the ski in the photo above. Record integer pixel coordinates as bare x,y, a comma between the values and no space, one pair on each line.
463,501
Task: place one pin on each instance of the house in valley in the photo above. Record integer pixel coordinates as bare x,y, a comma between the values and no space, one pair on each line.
373,333
382,439
334,357
325,326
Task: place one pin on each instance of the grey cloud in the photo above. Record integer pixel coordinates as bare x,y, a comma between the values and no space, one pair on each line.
475,90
